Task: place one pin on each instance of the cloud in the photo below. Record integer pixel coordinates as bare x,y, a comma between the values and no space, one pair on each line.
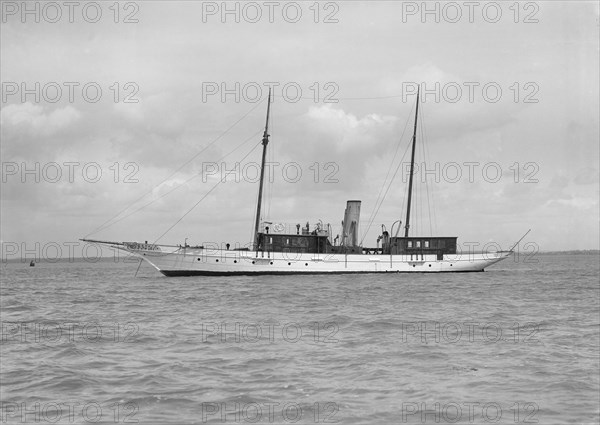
36,120
346,130
334,148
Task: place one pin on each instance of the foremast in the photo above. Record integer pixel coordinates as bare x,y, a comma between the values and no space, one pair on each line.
412,166
265,142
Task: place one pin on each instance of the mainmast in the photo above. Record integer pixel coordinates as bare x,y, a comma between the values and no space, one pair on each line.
412,166
265,142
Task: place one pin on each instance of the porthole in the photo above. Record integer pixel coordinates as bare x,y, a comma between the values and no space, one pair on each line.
198,259
271,263
289,264
217,260
306,264
430,265
235,261
253,262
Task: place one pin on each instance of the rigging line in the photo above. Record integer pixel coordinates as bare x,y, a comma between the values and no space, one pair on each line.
176,187
404,202
416,223
251,229
422,210
422,199
204,197
371,216
427,185
271,180
414,211
428,198
252,224
389,185
174,172
420,184
404,199
379,201
138,267
425,160
268,192
433,202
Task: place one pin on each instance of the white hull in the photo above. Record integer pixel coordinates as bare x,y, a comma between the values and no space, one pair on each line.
199,261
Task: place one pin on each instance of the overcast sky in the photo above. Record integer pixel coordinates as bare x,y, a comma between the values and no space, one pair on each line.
110,102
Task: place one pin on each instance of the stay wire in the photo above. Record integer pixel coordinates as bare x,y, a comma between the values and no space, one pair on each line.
425,152
176,187
388,187
375,210
433,201
204,197
102,226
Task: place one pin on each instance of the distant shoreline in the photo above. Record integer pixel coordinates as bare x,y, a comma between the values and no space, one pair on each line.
134,260
572,252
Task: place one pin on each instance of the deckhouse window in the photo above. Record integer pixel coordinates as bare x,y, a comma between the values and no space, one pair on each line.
409,244
418,244
426,244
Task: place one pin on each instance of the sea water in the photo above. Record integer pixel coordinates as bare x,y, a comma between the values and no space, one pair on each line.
89,342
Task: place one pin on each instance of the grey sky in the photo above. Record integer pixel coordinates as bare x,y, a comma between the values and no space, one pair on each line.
541,131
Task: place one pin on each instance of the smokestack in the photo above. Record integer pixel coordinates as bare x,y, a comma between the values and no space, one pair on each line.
351,219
